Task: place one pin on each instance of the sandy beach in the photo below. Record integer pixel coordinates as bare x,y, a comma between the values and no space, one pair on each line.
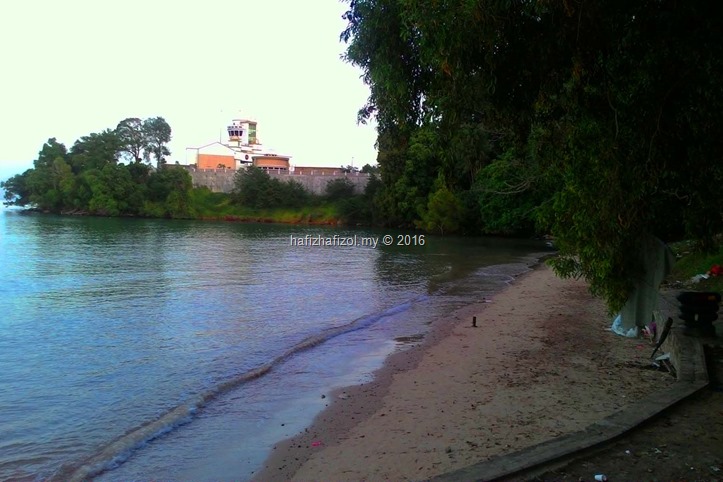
541,362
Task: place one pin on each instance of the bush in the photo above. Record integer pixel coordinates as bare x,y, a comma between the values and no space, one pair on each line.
443,213
339,189
254,188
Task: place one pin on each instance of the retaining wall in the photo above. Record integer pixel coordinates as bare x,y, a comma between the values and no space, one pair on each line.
221,180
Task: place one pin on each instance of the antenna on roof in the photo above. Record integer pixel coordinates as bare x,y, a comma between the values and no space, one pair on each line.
220,129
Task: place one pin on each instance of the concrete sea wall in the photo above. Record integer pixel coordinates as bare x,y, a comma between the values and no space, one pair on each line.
221,180
217,180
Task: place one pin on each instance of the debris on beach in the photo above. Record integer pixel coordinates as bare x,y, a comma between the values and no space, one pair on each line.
660,363
715,270
651,331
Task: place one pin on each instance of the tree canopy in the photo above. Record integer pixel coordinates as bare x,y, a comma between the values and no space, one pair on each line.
157,134
89,179
598,122
142,140
132,138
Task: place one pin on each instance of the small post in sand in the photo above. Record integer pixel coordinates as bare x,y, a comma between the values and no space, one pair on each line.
474,322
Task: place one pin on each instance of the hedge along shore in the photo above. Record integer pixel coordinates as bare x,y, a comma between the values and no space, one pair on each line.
541,363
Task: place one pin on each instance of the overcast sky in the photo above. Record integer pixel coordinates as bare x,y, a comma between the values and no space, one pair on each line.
73,67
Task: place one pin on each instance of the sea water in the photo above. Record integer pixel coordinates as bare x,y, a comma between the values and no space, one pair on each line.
138,349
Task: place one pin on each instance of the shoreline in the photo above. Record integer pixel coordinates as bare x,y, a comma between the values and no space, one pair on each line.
434,407
224,218
332,424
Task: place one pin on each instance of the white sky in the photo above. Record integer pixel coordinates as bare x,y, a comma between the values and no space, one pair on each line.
73,67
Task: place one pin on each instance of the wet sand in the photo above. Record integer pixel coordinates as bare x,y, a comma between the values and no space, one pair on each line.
541,362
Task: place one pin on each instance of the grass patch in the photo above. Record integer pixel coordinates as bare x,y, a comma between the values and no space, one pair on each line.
206,204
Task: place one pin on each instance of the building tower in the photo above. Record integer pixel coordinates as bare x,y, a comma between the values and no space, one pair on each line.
242,133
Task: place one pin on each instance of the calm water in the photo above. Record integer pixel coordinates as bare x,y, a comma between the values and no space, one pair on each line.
139,349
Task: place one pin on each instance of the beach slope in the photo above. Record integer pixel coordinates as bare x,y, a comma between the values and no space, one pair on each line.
540,363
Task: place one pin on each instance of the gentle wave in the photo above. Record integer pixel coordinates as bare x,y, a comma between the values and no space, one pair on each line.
118,451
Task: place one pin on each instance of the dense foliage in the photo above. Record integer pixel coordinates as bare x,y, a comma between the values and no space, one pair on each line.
598,122
254,188
354,208
88,178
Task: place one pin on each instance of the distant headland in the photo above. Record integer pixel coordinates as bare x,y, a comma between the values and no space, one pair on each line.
124,172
